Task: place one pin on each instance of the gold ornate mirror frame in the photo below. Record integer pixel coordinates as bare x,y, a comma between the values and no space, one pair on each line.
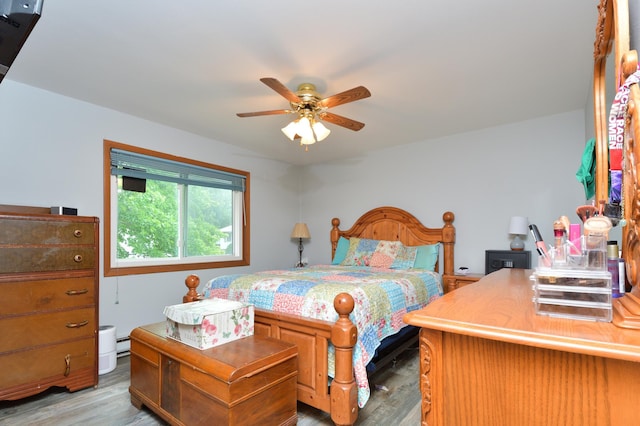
627,309
612,33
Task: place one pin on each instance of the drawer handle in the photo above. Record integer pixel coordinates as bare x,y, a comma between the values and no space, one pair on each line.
77,292
77,258
67,361
77,324
77,233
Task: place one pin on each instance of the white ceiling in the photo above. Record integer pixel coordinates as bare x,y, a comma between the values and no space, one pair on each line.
434,68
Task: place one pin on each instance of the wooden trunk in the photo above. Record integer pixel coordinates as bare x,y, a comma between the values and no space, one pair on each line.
245,382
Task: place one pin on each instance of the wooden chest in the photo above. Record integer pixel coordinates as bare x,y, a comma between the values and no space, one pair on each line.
249,381
49,303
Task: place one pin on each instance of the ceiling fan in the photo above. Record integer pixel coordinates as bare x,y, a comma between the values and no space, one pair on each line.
311,109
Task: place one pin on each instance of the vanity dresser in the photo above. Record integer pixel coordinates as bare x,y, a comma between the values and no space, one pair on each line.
48,301
487,357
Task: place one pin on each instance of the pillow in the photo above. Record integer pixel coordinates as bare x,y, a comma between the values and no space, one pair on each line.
405,258
427,256
384,254
341,251
360,252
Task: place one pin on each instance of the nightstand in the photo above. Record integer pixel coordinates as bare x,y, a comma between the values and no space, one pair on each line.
462,280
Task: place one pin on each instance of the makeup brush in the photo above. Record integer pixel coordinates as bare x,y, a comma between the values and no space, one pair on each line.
585,212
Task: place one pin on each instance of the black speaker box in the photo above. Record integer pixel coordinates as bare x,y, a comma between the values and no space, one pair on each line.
64,210
134,184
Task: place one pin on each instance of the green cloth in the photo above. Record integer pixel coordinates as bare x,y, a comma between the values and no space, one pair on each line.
586,174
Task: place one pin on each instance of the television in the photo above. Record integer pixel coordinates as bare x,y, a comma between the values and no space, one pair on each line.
17,19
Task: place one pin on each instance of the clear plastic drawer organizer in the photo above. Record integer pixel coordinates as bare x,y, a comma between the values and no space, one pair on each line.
572,280
577,285
573,293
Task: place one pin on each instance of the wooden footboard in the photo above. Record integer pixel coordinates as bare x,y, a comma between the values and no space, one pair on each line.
312,337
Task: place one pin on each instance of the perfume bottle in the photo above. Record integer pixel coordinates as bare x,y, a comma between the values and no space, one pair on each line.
613,266
560,243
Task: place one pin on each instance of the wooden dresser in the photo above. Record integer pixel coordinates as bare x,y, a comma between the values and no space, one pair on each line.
486,358
48,303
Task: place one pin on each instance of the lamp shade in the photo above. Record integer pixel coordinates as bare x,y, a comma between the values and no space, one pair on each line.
320,131
290,129
519,225
304,129
300,230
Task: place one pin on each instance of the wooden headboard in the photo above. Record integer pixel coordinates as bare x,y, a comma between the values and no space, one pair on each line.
394,224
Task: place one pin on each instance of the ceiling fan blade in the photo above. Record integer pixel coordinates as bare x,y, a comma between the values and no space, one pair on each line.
352,95
257,113
342,121
281,89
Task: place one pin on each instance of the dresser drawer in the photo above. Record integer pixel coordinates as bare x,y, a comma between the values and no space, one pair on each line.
41,259
26,232
47,328
42,364
26,297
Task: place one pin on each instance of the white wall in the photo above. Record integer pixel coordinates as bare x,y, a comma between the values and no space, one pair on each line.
484,177
51,154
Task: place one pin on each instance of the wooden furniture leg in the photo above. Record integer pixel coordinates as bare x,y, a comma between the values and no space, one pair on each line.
344,395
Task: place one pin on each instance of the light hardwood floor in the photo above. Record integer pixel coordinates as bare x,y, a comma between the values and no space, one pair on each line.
109,403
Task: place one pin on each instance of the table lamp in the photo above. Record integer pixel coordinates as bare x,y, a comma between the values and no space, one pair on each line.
518,226
300,231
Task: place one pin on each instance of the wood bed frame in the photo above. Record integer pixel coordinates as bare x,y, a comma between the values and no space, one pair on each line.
312,337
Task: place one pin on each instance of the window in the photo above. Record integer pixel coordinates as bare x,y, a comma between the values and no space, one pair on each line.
165,213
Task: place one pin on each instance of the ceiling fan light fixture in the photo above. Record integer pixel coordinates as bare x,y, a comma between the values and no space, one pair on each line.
308,104
309,130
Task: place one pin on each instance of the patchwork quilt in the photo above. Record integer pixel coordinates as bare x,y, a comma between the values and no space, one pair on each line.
382,297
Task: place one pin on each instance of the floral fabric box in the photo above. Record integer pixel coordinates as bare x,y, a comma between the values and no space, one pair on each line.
209,322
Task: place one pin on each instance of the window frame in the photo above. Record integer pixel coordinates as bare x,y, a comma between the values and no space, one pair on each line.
109,208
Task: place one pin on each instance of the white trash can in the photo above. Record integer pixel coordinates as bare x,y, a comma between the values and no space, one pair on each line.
107,355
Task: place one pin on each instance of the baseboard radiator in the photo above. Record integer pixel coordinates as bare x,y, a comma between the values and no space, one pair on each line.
123,346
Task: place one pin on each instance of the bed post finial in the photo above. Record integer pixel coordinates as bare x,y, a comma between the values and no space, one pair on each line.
448,218
192,282
334,235
344,395
448,241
